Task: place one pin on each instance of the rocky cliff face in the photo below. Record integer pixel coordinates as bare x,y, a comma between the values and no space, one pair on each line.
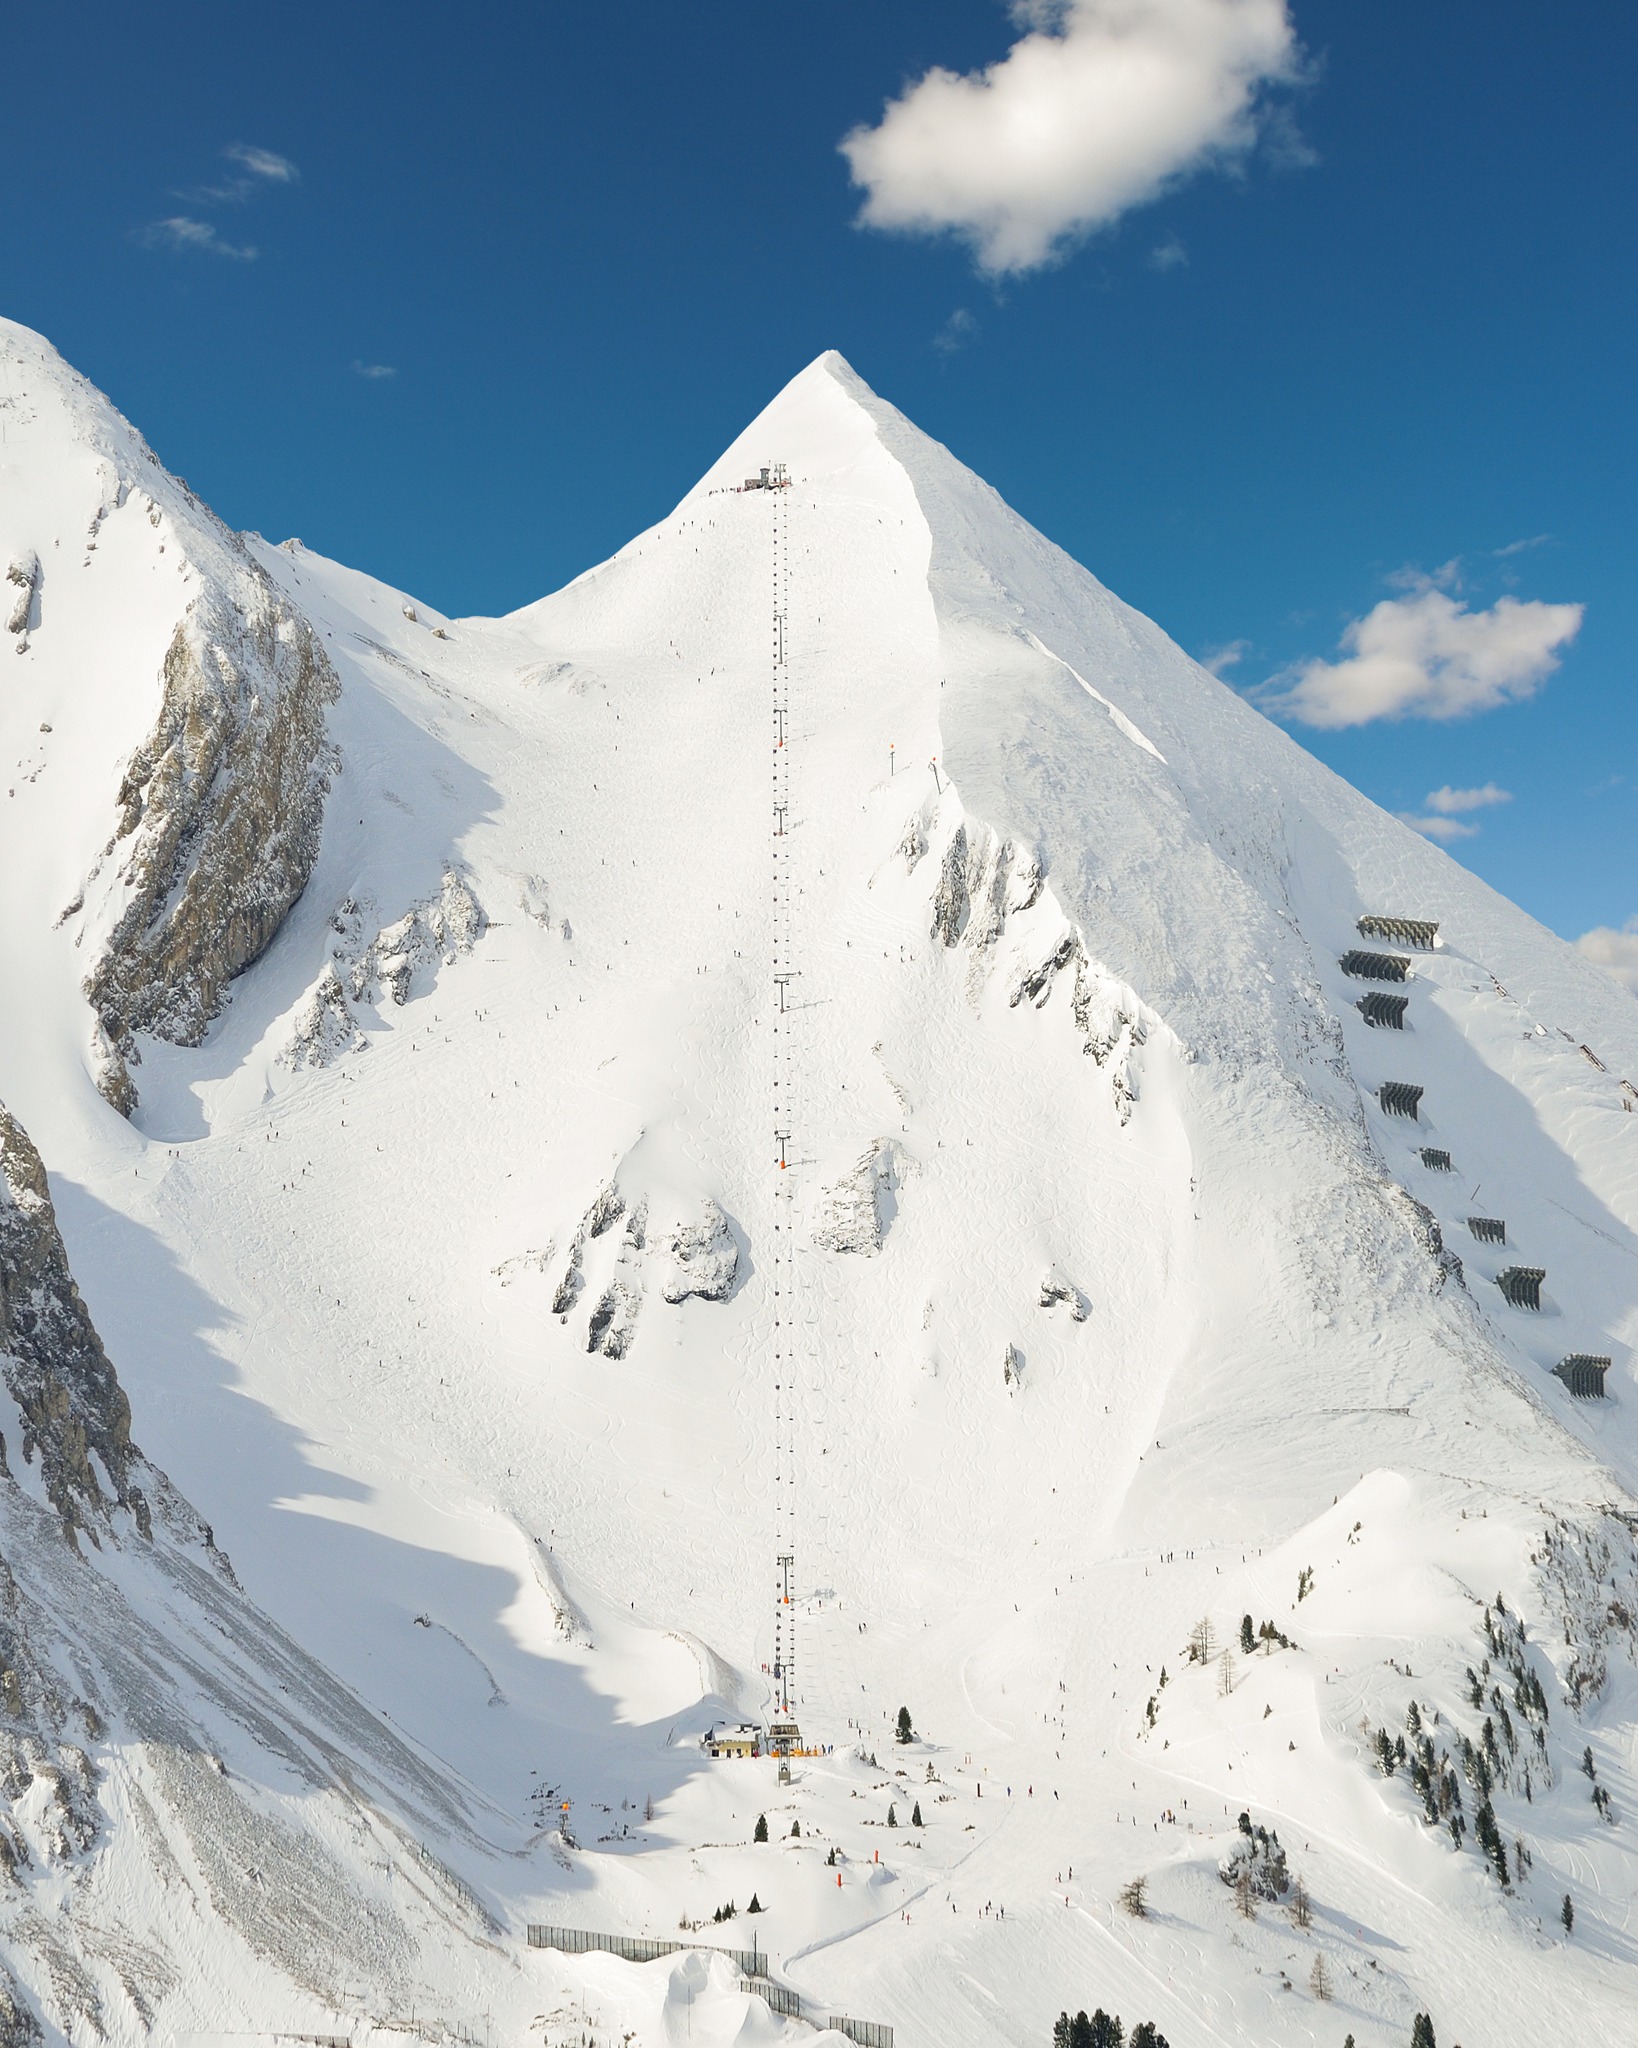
171,1764
220,814
75,1417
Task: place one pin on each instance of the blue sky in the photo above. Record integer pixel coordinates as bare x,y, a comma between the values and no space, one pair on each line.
1342,317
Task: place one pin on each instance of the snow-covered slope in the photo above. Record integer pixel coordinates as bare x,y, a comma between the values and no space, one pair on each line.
437,1256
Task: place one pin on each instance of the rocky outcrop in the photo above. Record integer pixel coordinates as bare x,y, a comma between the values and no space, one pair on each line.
76,1418
704,1258
325,1027
402,957
853,1214
450,924
220,812
23,575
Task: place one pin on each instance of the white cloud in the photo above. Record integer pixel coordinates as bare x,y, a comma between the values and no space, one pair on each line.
1518,547
1221,659
374,370
1168,255
262,163
956,332
1441,808
1095,109
1443,829
1448,802
183,233
1615,951
1427,656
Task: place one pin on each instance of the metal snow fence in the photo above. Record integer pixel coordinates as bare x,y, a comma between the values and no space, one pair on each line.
1376,966
779,1998
1488,1229
1383,1012
639,1948
1399,1098
868,2033
1408,931
791,2005
1521,1285
1583,1374
1435,1160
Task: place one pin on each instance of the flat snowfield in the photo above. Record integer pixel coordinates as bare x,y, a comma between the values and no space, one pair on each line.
441,1278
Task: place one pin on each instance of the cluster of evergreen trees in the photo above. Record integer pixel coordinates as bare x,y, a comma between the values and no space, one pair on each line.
1100,2031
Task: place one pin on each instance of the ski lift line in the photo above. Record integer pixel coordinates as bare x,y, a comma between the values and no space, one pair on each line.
786,1323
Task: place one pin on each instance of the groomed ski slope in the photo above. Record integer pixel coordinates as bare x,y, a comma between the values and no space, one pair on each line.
329,1288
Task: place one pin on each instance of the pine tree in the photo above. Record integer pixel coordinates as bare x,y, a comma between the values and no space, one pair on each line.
892,1817
761,1834
1134,1897
1302,1907
796,1827
755,1906
1225,1675
1080,2030
1248,1639
1566,1913
1106,2032
1422,2032
1146,2035
915,1815
1242,1893
1319,1981
907,1731
1062,2028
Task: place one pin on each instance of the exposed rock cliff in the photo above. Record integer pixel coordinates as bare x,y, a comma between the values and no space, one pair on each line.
74,1413
220,813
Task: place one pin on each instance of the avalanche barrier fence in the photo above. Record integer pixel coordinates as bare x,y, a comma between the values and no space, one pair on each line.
751,1963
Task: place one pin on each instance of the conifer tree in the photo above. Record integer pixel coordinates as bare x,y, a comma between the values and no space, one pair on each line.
1105,2032
1566,1913
796,1827
761,1833
1422,2032
907,1731
915,1815
1248,1639
892,1817
755,1906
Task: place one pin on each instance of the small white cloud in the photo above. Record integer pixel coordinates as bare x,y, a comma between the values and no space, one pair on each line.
1426,655
1448,802
374,370
1615,951
1518,547
956,332
1168,255
181,233
262,163
1442,829
1098,107
1219,660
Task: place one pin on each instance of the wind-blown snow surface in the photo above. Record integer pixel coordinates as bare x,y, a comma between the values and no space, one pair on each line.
436,1276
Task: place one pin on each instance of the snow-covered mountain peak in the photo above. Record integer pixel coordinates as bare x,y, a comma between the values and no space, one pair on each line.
1120,1287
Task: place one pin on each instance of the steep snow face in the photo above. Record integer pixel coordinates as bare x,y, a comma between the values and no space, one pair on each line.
163,728
441,1274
